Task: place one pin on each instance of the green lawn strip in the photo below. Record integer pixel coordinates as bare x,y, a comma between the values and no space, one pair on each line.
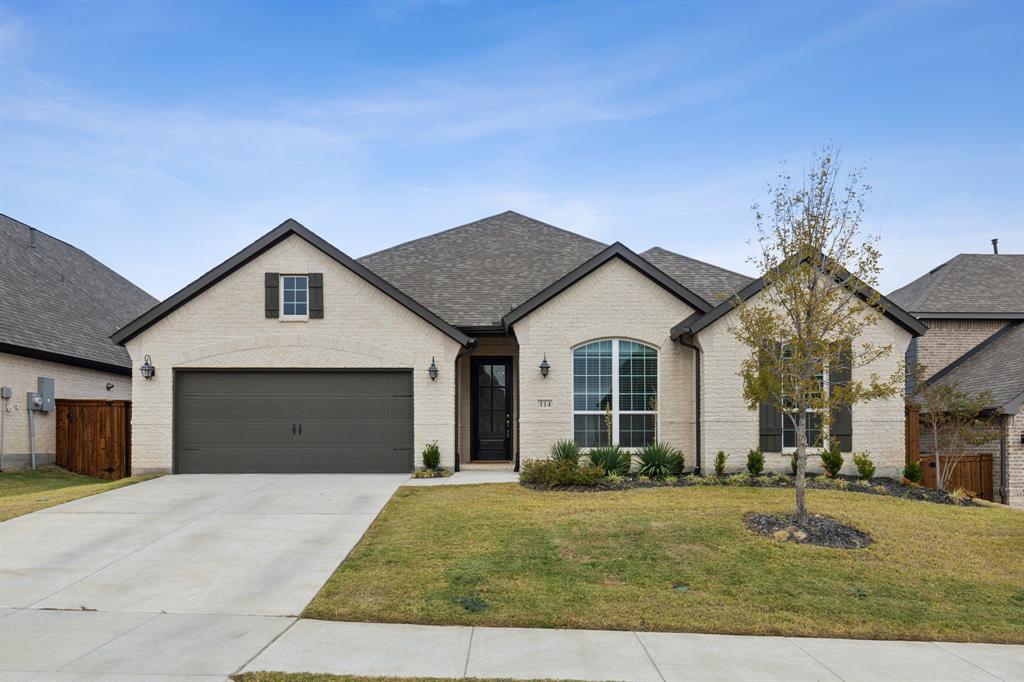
22,492
680,559
262,676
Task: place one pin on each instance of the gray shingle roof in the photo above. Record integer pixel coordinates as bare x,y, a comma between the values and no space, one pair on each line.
710,282
60,300
995,365
473,274
968,285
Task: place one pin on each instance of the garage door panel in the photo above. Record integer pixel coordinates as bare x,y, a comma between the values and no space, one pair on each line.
294,421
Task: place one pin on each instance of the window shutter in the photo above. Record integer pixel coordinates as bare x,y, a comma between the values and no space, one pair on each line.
770,428
316,296
272,296
842,417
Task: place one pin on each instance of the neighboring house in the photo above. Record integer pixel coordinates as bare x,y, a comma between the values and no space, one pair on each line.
973,306
57,310
493,339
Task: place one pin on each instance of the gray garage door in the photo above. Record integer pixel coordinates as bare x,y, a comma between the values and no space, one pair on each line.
293,422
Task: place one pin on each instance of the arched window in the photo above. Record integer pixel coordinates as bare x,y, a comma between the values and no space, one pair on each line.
614,380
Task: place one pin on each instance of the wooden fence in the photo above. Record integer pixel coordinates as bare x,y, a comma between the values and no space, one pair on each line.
94,437
970,472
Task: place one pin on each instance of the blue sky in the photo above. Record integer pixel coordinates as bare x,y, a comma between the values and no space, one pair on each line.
163,137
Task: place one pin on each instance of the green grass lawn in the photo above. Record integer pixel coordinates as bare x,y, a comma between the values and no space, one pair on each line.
680,559
22,492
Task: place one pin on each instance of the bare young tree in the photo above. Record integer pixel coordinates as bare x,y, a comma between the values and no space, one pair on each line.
820,275
954,422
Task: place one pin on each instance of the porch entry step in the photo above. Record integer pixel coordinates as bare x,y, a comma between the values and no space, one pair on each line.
487,466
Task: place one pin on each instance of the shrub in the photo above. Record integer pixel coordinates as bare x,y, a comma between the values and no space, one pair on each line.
832,460
865,467
913,473
431,456
550,472
659,460
720,462
793,462
755,462
613,459
565,451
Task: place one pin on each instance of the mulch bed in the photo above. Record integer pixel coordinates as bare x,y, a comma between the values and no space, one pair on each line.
878,486
816,530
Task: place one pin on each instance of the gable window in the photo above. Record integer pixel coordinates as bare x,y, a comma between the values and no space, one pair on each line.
815,435
616,381
295,297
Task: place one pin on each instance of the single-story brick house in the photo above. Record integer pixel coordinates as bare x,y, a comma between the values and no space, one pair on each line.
58,307
973,307
493,339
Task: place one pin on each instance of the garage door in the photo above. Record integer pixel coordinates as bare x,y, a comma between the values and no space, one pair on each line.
293,422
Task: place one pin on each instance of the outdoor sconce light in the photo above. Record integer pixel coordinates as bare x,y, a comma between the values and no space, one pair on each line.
432,370
544,366
147,369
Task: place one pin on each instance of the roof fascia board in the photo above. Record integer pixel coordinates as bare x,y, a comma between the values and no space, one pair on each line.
968,316
270,239
616,250
49,356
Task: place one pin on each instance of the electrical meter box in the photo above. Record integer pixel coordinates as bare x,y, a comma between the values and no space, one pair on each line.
5,392
42,399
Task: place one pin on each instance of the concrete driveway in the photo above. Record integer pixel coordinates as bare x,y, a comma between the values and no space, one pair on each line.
181,575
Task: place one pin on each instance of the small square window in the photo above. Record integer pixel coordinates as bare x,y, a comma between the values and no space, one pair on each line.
295,297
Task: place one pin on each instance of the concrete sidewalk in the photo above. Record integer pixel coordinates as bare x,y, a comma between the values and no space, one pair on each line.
454,652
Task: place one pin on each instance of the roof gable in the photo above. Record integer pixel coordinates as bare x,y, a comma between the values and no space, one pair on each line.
968,286
61,304
710,282
616,250
474,274
694,324
268,241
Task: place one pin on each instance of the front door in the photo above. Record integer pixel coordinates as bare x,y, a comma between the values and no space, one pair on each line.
491,408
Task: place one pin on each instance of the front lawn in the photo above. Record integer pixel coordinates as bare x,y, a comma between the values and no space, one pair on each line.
22,492
681,559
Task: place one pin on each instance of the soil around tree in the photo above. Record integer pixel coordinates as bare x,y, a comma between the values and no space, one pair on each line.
816,530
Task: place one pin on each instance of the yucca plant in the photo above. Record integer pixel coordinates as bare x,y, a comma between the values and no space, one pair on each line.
565,451
613,459
660,460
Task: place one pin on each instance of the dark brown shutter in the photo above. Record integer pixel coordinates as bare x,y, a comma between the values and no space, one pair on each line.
272,296
842,417
770,428
316,296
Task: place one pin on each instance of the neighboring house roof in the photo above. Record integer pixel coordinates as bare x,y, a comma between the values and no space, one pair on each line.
710,282
995,365
61,304
281,232
616,250
474,274
695,323
968,286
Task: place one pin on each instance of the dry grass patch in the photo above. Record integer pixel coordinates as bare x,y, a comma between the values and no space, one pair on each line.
680,559
22,492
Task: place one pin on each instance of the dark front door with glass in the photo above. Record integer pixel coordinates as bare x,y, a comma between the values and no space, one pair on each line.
491,408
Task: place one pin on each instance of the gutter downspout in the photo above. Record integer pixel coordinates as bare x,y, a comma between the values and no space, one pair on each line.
697,389
458,410
1003,431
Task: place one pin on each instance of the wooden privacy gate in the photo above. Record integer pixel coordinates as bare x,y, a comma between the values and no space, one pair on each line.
94,437
970,472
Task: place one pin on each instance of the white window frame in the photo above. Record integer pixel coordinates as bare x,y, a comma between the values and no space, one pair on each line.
824,431
616,412
293,318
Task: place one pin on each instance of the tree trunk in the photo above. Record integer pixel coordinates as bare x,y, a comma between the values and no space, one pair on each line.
801,464
939,483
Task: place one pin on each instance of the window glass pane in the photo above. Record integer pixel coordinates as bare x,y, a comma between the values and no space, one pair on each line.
592,378
300,309
289,308
638,377
590,430
636,430
813,428
289,296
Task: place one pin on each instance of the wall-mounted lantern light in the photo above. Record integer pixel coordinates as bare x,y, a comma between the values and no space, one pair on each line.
432,370
545,367
147,369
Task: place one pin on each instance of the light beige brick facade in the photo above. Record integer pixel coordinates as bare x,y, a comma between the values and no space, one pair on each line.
70,383
225,327
727,423
947,340
1014,425
614,301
